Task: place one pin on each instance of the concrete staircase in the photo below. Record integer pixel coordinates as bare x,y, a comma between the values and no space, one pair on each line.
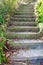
23,24
23,29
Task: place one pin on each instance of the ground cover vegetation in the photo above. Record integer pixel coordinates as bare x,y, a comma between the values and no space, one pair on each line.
39,13
7,8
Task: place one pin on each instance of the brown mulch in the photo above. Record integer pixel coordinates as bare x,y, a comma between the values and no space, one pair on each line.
8,52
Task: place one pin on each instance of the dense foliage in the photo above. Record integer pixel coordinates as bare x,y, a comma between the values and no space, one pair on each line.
7,8
39,8
2,44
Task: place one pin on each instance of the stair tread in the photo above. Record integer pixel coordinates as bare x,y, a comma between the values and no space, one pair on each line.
20,33
27,41
23,35
26,55
23,26
23,23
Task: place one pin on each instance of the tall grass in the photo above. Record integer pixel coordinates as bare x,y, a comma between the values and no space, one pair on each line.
7,8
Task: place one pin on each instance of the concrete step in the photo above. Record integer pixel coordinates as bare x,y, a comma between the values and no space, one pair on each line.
27,5
23,19
23,35
23,16
28,56
28,18
19,23
22,7
16,18
24,12
26,43
24,28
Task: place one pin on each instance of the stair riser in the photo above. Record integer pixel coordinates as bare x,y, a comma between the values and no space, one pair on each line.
26,13
23,20
26,7
28,18
24,16
23,29
15,18
23,36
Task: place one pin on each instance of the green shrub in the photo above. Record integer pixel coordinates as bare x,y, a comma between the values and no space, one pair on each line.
2,45
2,55
2,20
39,9
7,8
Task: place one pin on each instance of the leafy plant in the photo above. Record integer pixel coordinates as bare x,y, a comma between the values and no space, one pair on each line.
2,55
7,8
2,21
2,45
39,9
